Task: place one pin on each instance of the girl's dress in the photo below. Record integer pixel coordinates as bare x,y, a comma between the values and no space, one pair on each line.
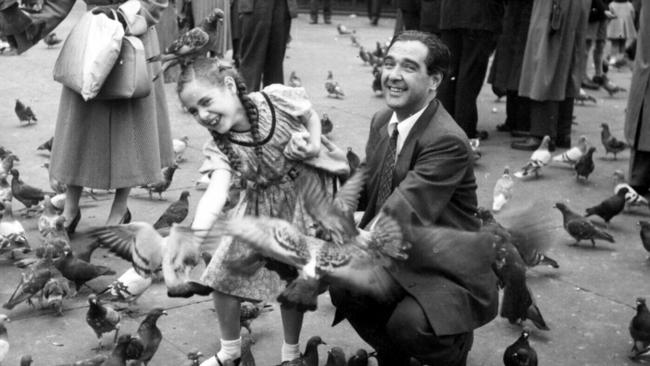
621,27
268,190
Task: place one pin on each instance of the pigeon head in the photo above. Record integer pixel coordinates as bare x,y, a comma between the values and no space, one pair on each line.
93,300
184,195
622,192
506,170
640,304
524,334
14,173
336,357
315,340
591,150
26,360
644,224
4,319
545,141
560,206
604,126
156,313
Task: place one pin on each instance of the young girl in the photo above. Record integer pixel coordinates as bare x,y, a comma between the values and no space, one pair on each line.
620,30
261,143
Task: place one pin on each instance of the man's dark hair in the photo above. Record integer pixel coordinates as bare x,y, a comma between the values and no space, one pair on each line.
437,60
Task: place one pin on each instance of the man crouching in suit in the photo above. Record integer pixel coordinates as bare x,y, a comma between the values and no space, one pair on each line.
421,167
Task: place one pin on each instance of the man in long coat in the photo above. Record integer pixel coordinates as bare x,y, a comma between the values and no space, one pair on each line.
637,119
421,168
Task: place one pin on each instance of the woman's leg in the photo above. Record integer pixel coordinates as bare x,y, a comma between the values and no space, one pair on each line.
119,206
292,325
71,207
227,309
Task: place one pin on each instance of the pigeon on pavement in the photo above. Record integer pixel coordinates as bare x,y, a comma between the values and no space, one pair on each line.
502,190
538,159
175,213
102,319
24,113
610,207
611,143
332,87
47,145
160,187
585,165
150,335
29,196
78,271
294,80
335,357
55,290
520,353
179,146
249,312
640,329
572,155
581,228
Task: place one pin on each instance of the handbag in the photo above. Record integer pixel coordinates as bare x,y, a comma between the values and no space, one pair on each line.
89,53
129,77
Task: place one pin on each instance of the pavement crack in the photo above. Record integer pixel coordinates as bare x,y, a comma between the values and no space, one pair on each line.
593,292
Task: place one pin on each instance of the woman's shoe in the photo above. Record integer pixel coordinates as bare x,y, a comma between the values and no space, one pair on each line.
70,229
126,218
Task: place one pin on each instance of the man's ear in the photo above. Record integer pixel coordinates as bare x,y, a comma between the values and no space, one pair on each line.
436,79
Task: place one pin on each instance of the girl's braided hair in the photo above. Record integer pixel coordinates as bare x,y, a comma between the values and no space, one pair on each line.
213,72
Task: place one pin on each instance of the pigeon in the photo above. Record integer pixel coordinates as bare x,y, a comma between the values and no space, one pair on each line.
246,358
583,98
612,88
363,55
194,357
343,30
160,187
179,146
195,42
520,353
354,41
379,51
7,164
360,358
149,253
29,196
310,356
294,80
78,271
332,86
610,207
645,234
326,124
581,228
32,281
51,40
102,319
502,190
128,287
572,155
376,80
24,113
9,226
150,335
640,329
249,312
54,291
26,360
4,152
353,161
358,264
4,337
585,165
611,143
335,357
118,356
175,213
5,192
538,159
47,222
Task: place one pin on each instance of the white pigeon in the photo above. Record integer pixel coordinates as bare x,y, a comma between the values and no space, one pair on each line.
502,190
538,159
58,201
632,197
130,286
4,337
179,147
8,224
572,155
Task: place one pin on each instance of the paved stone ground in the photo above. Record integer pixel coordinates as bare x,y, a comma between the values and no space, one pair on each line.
587,303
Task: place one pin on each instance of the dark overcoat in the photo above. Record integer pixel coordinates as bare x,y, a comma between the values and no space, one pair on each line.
435,185
638,104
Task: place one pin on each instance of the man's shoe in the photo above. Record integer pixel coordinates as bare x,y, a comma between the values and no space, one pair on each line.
529,144
600,80
519,133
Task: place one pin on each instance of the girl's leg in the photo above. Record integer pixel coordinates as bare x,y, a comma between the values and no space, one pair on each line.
227,309
291,324
71,207
119,206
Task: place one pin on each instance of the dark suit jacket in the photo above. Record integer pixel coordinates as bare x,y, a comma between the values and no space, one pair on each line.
435,185
484,15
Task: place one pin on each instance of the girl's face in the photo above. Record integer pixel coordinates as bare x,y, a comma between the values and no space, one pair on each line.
217,108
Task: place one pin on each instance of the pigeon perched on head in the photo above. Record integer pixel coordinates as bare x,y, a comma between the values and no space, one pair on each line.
102,319
4,337
581,228
179,146
610,207
611,143
520,353
175,213
640,329
332,87
160,187
502,190
572,155
249,312
24,112
51,40
335,357
294,80
538,159
585,164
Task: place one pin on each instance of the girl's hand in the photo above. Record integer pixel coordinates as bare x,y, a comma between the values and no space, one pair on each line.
300,147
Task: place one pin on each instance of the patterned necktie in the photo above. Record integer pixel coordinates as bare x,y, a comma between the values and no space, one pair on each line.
386,178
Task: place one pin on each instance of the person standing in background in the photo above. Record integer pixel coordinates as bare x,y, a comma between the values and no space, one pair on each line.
551,72
264,27
422,15
620,30
327,11
637,117
374,11
201,9
470,29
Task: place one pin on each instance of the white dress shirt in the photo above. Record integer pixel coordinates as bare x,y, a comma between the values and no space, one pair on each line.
403,128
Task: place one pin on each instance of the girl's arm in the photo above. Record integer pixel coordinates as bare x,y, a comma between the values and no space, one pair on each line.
305,145
212,202
314,128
